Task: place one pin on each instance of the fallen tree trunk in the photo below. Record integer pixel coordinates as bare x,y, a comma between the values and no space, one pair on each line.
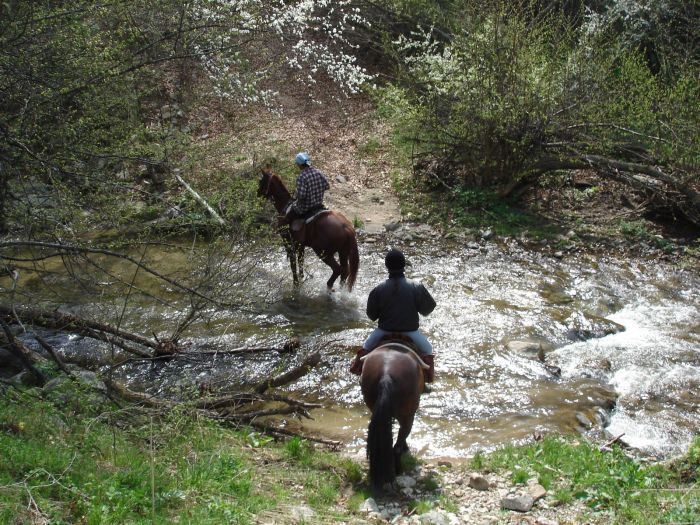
285,432
220,407
667,190
86,327
200,200
23,354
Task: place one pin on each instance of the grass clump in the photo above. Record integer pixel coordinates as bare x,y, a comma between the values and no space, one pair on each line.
605,481
67,458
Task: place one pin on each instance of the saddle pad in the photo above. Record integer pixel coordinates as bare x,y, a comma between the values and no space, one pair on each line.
307,221
402,347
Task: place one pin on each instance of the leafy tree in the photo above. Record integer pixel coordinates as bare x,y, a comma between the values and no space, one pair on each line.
93,93
518,91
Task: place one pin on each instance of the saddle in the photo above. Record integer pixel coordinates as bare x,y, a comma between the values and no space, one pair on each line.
427,362
403,343
309,217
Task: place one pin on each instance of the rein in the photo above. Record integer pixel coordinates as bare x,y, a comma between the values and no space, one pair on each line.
268,193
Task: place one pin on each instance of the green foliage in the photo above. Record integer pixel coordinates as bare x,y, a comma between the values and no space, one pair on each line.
693,454
85,463
635,229
635,492
520,476
298,449
516,91
478,461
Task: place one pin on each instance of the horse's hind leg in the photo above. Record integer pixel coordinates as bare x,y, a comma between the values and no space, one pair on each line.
330,261
344,271
401,446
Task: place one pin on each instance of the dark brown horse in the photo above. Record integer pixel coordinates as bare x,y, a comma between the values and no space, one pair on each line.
392,383
328,234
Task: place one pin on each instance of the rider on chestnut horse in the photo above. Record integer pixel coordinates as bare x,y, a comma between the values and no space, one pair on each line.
311,185
396,303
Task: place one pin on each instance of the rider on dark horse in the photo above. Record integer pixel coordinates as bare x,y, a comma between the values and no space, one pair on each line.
311,185
396,303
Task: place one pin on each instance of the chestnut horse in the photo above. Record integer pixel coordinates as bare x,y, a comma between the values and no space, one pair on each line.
392,382
328,234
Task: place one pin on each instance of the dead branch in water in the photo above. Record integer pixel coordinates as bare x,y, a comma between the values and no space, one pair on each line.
240,408
285,432
288,377
606,446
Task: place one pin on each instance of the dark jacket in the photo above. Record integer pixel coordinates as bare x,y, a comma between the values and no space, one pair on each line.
397,302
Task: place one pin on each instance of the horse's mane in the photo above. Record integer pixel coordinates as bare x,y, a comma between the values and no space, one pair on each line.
277,180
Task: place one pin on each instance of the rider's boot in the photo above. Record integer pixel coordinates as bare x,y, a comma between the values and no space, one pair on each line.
428,375
356,367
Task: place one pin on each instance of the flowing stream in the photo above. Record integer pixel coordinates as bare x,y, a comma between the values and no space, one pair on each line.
620,337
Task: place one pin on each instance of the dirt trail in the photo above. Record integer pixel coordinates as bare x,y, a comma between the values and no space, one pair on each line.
347,143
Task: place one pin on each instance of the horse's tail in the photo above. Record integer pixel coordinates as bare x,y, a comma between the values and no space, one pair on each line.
379,438
353,261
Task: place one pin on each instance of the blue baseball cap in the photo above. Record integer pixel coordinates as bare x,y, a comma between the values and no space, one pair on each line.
302,158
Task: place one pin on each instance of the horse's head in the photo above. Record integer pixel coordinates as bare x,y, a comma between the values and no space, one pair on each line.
265,182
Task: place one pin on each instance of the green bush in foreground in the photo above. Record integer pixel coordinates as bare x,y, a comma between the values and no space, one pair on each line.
606,481
70,463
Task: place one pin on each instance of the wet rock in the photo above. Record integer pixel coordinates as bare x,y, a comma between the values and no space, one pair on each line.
583,326
527,348
519,503
478,482
91,379
583,420
553,370
369,505
54,383
24,378
602,417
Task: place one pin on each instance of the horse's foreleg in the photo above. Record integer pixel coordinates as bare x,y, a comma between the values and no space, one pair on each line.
300,259
401,446
293,264
292,256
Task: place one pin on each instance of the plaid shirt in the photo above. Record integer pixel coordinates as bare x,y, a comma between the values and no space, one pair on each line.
311,184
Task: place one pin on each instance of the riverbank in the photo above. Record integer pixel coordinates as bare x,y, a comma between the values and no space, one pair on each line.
71,455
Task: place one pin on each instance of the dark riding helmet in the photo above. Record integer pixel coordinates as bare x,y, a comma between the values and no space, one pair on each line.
395,260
